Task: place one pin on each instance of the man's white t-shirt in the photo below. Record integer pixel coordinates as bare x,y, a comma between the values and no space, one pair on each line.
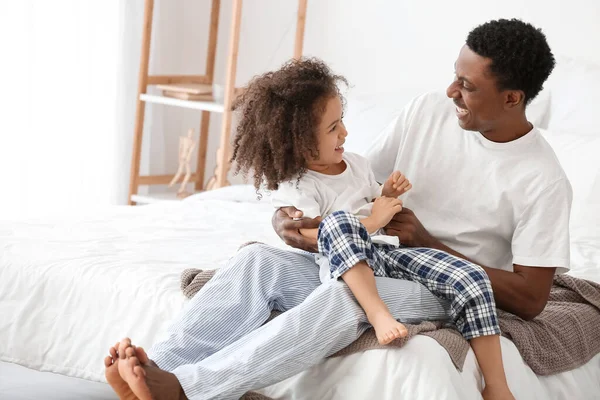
496,203
317,194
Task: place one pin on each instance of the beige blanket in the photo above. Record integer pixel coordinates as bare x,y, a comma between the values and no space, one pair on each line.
564,336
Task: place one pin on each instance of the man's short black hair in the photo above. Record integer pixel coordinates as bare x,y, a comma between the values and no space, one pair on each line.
521,57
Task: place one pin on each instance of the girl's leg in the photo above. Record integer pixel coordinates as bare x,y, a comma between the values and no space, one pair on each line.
350,251
361,281
489,356
472,306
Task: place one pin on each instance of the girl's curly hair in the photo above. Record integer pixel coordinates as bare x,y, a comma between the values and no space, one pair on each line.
280,112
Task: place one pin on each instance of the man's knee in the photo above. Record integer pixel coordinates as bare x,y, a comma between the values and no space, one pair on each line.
251,260
264,262
254,250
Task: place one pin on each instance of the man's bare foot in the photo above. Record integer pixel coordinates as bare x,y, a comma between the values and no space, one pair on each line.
115,381
497,392
386,327
145,379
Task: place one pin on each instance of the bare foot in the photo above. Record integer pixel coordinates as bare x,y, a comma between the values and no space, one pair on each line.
497,392
386,327
115,381
145,379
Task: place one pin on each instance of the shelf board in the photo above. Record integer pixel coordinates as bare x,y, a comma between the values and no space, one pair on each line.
170,101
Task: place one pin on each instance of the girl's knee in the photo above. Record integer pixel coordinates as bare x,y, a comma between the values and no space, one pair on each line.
473,280
339,222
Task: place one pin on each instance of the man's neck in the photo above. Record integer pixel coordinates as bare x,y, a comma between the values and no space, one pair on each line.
509,131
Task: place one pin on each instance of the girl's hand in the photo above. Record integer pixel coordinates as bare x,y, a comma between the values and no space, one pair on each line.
384,209
396,185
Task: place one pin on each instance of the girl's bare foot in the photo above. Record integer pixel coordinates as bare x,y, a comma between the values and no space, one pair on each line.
497,392
386,327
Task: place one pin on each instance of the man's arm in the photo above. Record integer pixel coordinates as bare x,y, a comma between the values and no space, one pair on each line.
523,292
288,229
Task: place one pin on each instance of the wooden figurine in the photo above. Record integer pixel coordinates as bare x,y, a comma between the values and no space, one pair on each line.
186,148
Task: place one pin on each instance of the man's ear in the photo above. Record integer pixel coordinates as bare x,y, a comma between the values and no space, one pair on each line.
514,98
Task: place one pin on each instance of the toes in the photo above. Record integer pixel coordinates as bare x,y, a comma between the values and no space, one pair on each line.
108,361
113,353
402,331
133,363
125,343
383,339
130,352
127,368
141,355
115,348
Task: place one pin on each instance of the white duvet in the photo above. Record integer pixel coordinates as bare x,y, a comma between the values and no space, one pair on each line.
71,287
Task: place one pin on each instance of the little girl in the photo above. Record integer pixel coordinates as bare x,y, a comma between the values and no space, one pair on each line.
291,136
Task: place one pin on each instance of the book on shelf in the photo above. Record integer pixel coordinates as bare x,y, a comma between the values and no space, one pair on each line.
188,96
190,88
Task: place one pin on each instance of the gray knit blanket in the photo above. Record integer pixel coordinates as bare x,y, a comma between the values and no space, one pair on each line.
564,336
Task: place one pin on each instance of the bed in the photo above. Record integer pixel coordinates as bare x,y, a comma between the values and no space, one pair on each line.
70,286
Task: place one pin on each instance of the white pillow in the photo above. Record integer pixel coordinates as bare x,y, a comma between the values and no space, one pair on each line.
366,115
579,157
238,193
538,111
575,97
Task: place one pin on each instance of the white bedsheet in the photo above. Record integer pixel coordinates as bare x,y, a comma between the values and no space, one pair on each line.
71,287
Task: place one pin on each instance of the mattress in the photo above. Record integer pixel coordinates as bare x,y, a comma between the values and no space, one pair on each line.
71,286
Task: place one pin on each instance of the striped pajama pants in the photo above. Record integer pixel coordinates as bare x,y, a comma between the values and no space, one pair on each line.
345,241
218,347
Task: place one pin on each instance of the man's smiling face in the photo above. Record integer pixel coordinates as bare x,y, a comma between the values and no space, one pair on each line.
479,103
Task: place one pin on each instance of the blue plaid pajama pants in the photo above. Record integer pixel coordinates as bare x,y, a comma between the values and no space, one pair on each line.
345,241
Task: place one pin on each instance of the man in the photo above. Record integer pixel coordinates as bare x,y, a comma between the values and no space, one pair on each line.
488,189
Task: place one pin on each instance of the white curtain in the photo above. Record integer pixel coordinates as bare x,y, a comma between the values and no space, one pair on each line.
68,72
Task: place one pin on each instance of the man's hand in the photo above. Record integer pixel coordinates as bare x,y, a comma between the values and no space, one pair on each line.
396,185
409,230
289,230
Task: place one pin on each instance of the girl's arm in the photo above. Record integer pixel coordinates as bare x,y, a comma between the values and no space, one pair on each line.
371,224
310,233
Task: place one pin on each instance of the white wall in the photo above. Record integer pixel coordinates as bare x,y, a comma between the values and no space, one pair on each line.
414,43
382,46
59,67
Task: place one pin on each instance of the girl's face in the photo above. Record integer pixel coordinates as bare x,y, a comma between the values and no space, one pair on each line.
331,135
